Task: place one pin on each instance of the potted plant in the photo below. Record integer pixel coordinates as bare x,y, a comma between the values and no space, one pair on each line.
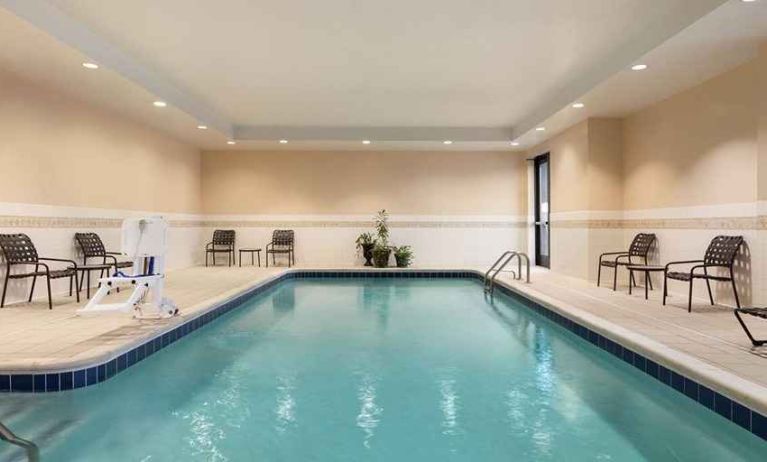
381,254
381,250
404,256
365,243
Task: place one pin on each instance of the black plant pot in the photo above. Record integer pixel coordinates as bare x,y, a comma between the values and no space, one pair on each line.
381,258
402,262
367,252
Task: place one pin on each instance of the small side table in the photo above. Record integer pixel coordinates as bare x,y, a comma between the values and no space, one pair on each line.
646,269
87,269
251,252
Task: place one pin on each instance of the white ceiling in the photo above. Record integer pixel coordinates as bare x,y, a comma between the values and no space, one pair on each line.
405,74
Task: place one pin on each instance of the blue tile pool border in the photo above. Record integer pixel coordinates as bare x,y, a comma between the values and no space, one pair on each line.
46,382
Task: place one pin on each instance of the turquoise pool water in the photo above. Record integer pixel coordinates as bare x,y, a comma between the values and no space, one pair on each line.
374,370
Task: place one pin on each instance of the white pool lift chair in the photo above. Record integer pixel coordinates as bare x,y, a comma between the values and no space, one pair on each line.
144,240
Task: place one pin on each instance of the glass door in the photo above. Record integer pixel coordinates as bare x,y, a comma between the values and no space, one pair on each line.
542,207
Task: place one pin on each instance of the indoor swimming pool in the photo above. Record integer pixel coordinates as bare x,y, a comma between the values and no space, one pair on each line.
352,369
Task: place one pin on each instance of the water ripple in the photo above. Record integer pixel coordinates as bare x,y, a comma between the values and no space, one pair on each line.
285,410
449,405
370,412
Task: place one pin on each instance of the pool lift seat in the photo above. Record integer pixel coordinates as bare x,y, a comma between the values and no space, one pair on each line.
144,240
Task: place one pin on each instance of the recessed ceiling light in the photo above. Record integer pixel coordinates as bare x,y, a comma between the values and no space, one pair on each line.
578,105
748,1
160,104
283,141
447,142
639,67
231,142
90,65
540,129
202,127
365,141
515,143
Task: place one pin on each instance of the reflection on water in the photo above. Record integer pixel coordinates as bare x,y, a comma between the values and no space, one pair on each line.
204,435
516,402
284,299
370,413
285,409
377,299
449,406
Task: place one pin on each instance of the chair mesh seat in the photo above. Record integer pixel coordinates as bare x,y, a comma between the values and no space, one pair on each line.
55,274
678,275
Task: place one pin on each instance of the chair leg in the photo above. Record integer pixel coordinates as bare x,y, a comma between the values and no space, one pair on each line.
77,293
689,299
650,278
615,278
735,292
206,258
5,287
70,285
710,294
754,341
50,297
32,290
665,288
599,273
708,286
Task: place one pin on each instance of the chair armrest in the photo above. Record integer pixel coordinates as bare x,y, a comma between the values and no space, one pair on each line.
607,254
610,254
684,262
114,253
62,260
208,245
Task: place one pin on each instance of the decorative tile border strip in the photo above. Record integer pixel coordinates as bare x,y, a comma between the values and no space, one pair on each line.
91,223
734,223
728,408
359,224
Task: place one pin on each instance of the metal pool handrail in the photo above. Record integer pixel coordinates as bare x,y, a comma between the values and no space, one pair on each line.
33,453
501,263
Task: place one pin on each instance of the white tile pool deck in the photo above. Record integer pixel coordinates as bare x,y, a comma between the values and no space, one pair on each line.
706,345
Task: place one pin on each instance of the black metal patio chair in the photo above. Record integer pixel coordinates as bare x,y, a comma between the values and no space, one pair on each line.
283,242
720,255
223,242
637,253
20,251
91,246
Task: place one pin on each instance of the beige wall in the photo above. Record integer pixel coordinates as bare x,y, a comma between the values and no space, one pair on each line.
605,164
59,151
569,153
761,98
405,183
698,147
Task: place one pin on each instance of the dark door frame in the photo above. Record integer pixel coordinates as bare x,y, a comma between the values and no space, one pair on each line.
541,260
